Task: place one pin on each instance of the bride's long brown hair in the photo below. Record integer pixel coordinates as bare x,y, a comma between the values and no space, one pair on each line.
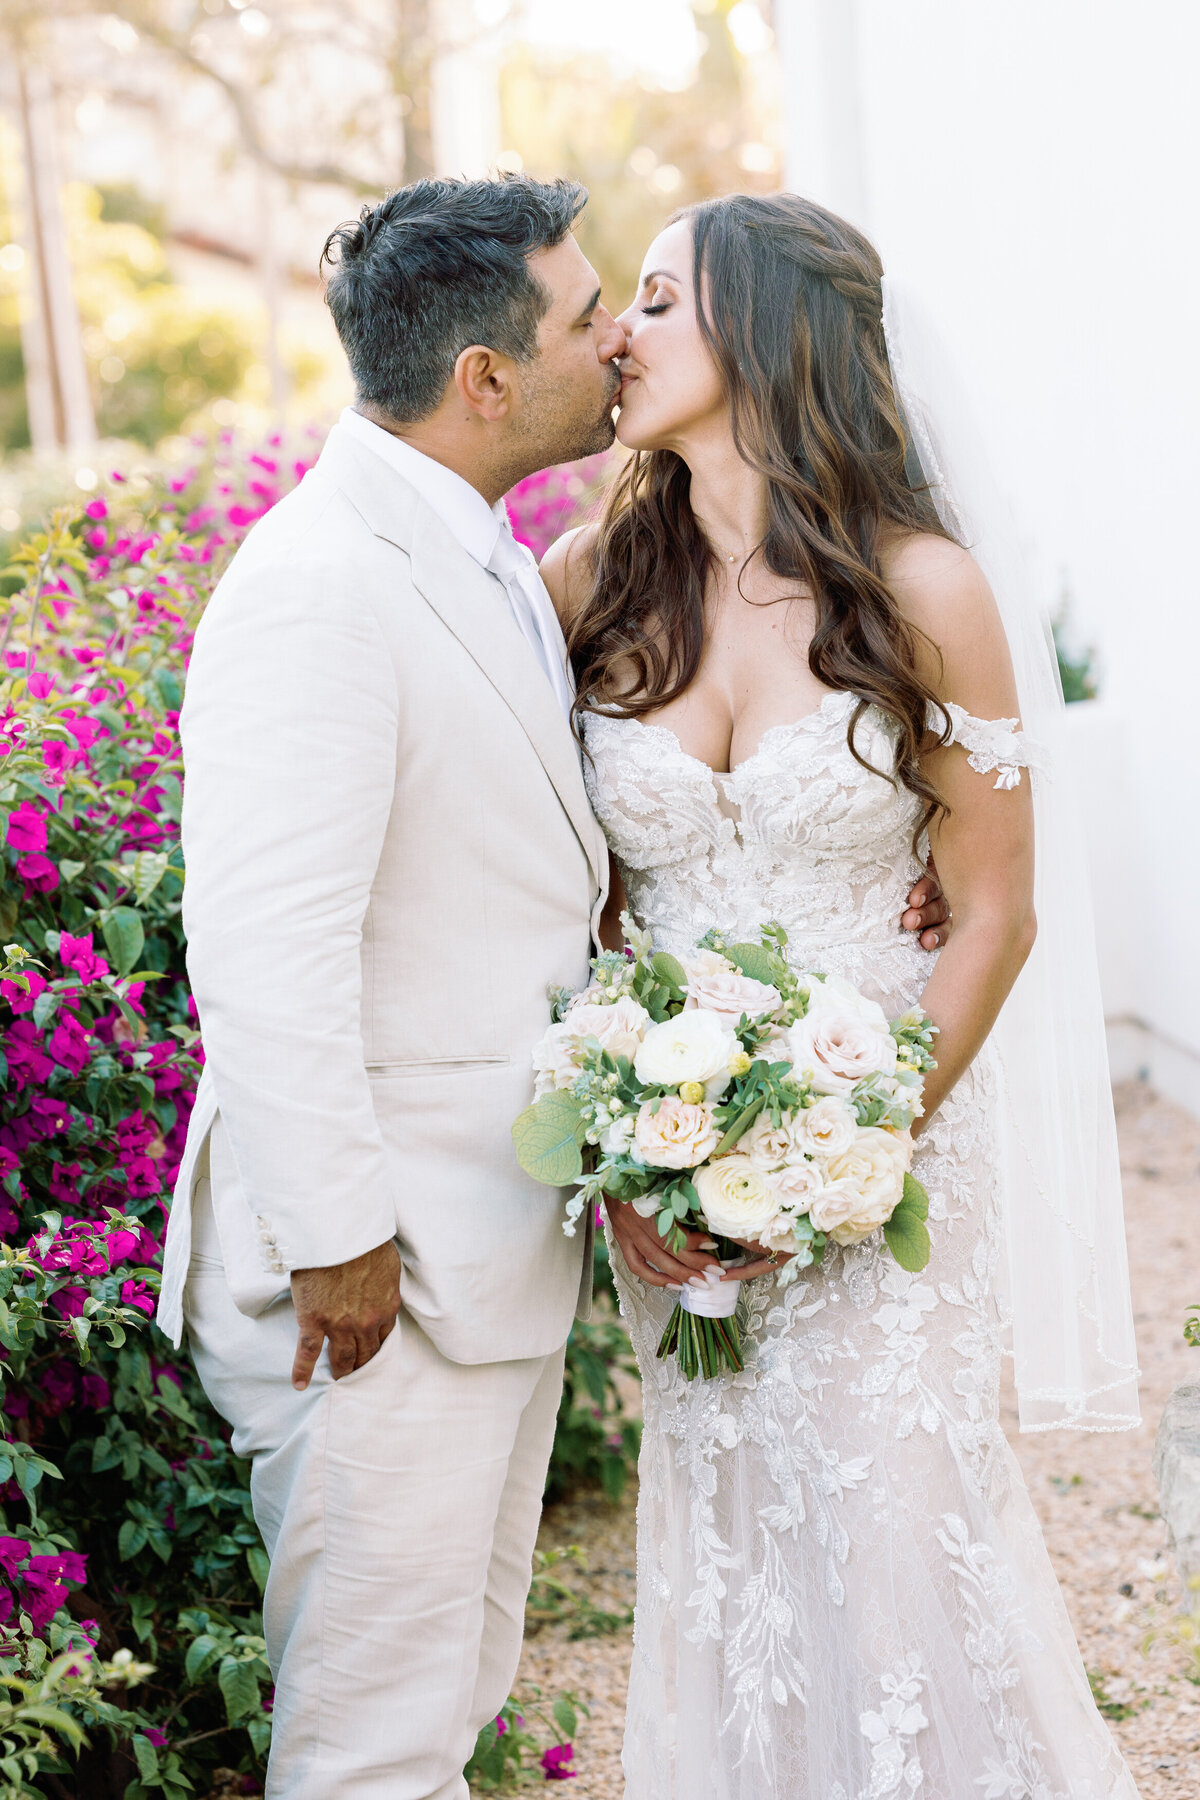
790,305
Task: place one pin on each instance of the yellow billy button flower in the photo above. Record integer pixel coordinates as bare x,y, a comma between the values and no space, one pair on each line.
740,1064
692,1092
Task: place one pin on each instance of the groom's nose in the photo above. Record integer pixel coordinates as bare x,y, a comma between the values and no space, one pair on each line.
611,341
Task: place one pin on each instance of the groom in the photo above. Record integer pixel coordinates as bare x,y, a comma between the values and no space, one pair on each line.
390,858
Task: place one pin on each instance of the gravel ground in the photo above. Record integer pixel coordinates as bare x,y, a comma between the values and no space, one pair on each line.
1094,1493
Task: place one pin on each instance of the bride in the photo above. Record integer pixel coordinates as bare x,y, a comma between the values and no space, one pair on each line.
792,681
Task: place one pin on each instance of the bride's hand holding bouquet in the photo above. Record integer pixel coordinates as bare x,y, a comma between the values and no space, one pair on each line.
727,1094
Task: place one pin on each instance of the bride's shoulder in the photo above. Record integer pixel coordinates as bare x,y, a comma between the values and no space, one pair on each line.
942,590
568,571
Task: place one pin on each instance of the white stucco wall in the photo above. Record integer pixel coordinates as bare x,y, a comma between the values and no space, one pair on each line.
1030,167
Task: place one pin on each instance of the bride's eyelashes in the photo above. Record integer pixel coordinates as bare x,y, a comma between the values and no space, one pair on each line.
661,307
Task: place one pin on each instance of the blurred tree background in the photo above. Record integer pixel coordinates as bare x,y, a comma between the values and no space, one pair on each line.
200,150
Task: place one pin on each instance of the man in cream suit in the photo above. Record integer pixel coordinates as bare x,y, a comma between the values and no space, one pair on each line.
390,857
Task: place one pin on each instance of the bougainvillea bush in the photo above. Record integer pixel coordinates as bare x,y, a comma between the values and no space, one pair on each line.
118,1482
130,1566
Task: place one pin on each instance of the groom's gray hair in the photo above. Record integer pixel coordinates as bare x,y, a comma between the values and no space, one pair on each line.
435,267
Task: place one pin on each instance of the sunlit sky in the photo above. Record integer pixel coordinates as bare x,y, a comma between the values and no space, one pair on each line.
654,36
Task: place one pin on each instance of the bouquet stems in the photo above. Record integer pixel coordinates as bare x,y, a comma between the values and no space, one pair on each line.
702,1346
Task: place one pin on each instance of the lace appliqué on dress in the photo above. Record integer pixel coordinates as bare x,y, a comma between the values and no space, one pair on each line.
991,744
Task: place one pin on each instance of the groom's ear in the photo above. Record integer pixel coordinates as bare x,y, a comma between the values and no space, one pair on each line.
486,383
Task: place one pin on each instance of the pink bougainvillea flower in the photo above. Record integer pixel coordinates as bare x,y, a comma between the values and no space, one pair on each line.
77,953
38,873
158,1738
50,1113
137,1295
57,756
69,1044
9,1162
27,1061
58,1386
85,731
69,1302
555,1760
120,1245
41,686
98,509
95,1391
21,996
26,827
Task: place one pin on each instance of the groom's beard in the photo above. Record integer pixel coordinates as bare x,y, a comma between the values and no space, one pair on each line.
558,427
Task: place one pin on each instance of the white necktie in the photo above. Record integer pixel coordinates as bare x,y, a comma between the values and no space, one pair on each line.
533,612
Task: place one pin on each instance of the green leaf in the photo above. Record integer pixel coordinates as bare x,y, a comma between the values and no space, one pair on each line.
755,961
565,1717
147,1757
546,1139
668,970
915,1197
202,1653
69,870
239,1687
260,1566
906,1232
130,1539
124,936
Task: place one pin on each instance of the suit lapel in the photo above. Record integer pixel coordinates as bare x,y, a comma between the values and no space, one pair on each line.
472,605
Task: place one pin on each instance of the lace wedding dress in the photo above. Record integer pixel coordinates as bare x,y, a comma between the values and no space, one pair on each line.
842,1588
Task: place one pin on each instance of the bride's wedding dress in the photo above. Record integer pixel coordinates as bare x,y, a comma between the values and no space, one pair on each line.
843,1592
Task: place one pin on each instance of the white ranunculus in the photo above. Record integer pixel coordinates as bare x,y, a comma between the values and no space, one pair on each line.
874,1167
798,1185
617,1028
833,1205
826,1128
696,1046
837,1049
766,1144
716,986
676,1135
736,1197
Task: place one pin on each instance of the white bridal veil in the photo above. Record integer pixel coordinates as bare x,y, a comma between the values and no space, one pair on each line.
1067,1292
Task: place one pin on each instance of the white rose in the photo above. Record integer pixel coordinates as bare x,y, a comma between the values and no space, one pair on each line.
736,1198
833,1205
874,1167
617,1028
716,986
798,1185
768,1145
676,1135
826,1128
836,994
693,1047
839,1048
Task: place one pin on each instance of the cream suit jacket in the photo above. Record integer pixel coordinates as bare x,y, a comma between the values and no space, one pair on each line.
390,857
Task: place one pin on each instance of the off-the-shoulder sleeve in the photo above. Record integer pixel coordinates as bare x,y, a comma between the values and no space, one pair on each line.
991,744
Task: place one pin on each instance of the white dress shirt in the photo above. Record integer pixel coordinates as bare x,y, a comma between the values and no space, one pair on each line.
485,533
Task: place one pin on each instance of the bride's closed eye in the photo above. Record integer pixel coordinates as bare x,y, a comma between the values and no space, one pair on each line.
660,307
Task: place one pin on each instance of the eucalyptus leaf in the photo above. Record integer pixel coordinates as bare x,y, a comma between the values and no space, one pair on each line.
546,1139
906,1233
754,960
669,970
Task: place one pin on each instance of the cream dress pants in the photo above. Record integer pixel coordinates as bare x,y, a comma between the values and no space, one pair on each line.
399,1507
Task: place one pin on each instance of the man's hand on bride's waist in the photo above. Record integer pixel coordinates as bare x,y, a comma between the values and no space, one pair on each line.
928,916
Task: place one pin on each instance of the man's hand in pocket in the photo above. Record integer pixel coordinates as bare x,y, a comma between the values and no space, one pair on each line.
354,1304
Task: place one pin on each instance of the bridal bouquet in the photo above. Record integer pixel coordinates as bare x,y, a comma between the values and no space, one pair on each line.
726,1093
